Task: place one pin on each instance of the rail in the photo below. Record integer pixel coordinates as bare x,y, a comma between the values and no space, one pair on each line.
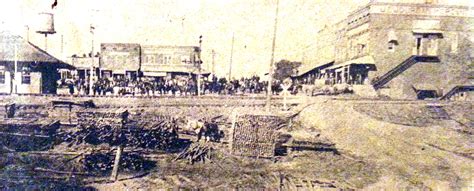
393,73
455,90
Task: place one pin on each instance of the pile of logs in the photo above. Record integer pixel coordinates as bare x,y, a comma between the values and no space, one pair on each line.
158,137
161,135
111,129
196,152
103,162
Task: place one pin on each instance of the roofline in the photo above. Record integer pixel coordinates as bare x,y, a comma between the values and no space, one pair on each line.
421,4
318,67
151,45
22,40
368,5
44,52
119,43
168,46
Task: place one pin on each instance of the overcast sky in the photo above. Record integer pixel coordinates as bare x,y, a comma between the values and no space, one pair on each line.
180,22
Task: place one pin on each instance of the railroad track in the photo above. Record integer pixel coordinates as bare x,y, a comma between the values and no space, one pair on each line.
250,96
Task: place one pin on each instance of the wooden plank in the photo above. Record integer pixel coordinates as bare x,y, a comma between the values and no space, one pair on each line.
115,170
24,135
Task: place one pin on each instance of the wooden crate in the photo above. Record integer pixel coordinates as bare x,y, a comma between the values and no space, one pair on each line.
255,135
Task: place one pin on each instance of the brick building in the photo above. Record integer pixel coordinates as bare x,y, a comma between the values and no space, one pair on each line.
128,60
161,61
403,49
119,59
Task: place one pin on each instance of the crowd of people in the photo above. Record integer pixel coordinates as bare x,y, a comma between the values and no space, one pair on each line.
169,86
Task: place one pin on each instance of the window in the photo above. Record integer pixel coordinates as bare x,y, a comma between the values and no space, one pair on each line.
185,60
106,74
159,59
26,75
454,44
167,59
392,45
65,74
2,74
151,59
361,48
392,40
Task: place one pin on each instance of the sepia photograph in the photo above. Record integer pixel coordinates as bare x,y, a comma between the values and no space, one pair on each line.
237,95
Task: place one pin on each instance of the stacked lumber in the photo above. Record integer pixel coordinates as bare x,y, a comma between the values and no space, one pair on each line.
256,135
27,135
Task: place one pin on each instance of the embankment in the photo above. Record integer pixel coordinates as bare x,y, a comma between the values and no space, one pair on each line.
435,156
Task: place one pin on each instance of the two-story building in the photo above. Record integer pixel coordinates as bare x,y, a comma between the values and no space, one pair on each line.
403,49
170,61
132,61
120,60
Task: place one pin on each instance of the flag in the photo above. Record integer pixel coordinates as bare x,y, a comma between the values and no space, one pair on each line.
92,29
55,3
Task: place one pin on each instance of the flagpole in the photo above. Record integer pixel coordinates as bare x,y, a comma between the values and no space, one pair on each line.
15,84
231,57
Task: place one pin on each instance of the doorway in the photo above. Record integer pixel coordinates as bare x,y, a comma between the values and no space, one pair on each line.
426,44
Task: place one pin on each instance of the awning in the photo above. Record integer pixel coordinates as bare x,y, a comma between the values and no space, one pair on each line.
424,31
154,74
118,71
304,70
425,86
366,60
204,73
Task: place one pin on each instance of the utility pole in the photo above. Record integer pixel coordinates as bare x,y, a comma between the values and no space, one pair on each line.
91,81
213,69
199,67
270,73
15,73
183,31
92,70
231,57
62,46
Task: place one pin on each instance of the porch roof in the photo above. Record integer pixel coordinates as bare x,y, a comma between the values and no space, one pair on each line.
365,60
308,68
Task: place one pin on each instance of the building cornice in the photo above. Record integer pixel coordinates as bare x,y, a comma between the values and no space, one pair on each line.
421,9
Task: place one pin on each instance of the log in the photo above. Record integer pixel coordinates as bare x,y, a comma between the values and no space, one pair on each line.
61,172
